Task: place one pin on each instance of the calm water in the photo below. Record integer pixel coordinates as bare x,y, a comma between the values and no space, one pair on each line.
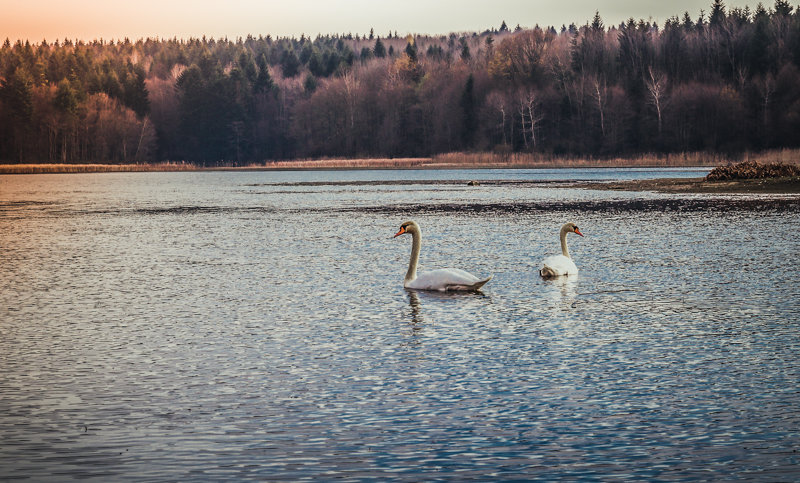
253,325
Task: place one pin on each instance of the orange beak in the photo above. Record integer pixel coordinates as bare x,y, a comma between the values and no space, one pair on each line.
578,232
402,230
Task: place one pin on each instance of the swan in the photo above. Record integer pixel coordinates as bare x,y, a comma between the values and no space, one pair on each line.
444,279
558,265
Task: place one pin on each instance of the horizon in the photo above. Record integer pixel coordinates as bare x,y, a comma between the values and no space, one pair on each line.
91,21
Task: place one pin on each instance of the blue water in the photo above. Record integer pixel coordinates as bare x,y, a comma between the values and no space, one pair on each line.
253,325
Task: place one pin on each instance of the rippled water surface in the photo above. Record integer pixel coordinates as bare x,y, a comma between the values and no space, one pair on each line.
253,325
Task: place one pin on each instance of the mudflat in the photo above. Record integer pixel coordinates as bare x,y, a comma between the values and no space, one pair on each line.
700,185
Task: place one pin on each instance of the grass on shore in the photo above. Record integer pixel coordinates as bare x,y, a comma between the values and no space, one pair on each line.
448,160
92,168
786,156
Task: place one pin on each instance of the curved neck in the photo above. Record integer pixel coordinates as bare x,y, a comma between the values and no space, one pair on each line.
416,241
564,249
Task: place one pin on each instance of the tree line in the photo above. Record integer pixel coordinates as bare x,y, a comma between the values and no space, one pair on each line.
725,81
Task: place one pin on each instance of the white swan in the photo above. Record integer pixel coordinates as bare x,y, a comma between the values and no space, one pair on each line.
558,265
443,280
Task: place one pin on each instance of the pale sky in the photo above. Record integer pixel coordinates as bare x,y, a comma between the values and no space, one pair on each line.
87,20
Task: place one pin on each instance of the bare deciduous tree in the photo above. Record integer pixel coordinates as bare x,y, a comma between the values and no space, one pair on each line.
530,113
656,83
599,95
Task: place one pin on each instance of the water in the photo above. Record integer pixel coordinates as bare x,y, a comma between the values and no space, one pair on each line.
253,325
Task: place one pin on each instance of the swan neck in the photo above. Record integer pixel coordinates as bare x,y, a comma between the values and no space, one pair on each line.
564,249
416,241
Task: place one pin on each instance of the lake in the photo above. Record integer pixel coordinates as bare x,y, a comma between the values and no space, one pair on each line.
253,325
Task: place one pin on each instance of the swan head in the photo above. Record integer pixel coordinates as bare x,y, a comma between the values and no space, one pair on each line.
407,227
571,228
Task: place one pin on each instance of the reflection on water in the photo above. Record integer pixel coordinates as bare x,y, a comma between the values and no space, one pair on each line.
229,326
563,291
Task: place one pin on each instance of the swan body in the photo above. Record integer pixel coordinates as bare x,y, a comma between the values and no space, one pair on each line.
442,280
561,265
557,266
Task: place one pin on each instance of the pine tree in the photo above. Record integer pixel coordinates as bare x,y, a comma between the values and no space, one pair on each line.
717,16
411,50
379,50
264,82
290,63
688,24
468,108
783,8
465,55
16,96
597,22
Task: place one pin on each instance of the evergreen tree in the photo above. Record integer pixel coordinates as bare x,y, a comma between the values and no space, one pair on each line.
264,82
687,24
365,55
470,116
66,100
465,55
783,8
757,56
16,93
16,113
135,91
379,50
290,63
597,23
717,16
316,65
411,50
310,84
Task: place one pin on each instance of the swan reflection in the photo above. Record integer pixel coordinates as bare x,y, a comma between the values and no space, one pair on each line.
416,299
416,317
562,291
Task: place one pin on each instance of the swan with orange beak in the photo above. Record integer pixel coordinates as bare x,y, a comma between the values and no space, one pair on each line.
443,279
560,265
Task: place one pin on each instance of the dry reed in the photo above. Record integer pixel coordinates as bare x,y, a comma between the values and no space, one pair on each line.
535,160
448,160
753,170
92,168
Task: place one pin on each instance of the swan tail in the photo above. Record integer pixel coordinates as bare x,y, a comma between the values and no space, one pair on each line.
547,272
469,286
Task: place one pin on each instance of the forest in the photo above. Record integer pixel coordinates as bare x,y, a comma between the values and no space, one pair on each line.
726,80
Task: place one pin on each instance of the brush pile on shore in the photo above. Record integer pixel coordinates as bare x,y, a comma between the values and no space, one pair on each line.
753,170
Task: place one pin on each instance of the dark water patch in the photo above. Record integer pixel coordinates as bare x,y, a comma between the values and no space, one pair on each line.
773,205
20,204
202,210
423,182
164,211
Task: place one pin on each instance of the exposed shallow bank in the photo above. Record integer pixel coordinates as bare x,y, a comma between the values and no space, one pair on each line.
699,185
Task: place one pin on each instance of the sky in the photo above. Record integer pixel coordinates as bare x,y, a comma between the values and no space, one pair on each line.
37,20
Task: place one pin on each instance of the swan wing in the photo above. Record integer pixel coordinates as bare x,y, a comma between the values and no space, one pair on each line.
558,265
447,279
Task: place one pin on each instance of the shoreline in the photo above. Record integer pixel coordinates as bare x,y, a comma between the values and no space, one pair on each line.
341,165
662,185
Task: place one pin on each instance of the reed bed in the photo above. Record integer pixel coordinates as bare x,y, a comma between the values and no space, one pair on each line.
752,169
361,163
92,168
447,160
534,160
